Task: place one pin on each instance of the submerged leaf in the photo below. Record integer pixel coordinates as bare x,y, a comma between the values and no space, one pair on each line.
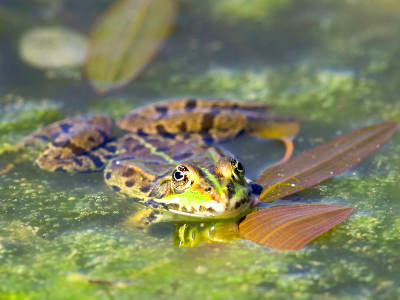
291,227
127,36
323,162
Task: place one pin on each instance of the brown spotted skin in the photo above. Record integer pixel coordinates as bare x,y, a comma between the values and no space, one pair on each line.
197,119
73,145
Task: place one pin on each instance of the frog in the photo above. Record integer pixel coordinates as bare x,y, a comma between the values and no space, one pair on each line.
166,155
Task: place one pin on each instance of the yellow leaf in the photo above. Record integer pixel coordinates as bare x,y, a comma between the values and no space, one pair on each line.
125,39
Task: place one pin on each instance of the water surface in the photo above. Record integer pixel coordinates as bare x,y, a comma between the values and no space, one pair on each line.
333,64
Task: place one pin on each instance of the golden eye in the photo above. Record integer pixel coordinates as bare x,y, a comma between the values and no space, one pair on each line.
178,175
181,176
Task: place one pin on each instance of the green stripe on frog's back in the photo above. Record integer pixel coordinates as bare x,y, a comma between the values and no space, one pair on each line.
158,148
153,148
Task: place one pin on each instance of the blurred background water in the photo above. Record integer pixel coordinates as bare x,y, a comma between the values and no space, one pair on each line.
332,64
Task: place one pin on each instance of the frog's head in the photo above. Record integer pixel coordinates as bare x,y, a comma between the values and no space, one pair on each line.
220,191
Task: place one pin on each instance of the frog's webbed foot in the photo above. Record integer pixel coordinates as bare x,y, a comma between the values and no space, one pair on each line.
74,145
284,131
144,218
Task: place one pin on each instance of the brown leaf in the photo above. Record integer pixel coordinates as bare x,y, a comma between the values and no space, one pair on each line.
291,227
324,161
125,39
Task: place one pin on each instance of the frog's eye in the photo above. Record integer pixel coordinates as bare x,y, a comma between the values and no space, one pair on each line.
240,167
181,178
178,175
237,167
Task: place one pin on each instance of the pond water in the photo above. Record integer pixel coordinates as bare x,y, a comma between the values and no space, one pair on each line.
333,64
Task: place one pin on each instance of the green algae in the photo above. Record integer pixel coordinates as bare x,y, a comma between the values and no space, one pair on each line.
18,117
63,236
239,10
298,89
115,107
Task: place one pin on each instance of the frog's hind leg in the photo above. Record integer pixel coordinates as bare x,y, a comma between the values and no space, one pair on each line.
75,145
210,121
284,131
181,116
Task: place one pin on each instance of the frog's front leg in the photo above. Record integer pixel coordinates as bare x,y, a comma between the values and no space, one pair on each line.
145,217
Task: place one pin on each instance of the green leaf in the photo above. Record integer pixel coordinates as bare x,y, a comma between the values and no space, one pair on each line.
323,162
291,227
125,39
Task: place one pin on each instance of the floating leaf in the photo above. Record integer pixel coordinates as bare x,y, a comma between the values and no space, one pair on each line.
125,39
49,47
291,227
323,162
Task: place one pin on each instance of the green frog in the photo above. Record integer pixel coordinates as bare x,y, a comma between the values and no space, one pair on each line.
168,161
